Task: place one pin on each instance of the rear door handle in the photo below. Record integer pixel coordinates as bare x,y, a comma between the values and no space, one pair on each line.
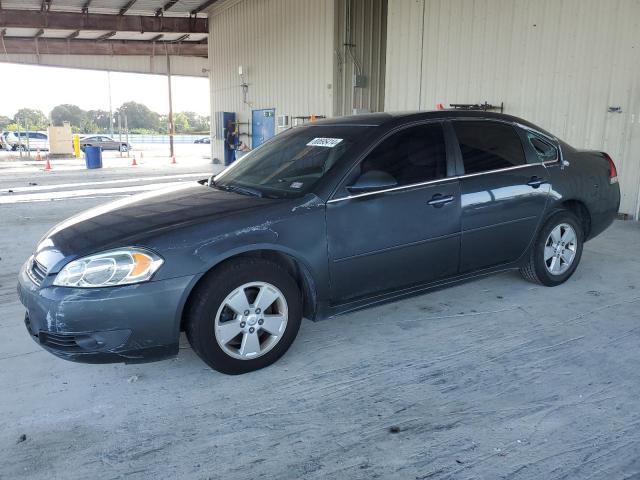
439,200
535,182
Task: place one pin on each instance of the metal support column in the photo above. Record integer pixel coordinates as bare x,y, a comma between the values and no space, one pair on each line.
171,125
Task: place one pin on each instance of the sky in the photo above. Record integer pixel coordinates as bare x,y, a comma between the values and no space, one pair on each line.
43,88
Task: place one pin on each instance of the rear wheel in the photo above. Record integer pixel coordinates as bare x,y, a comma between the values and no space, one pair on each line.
244,316
556,251
124,148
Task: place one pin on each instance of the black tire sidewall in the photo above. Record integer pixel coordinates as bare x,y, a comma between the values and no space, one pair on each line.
201,321
538,253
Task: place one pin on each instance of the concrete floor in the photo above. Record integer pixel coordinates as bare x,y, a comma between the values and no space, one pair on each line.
492,379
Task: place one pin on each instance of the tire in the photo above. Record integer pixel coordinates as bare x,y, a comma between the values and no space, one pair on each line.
124,148
209,313
549,271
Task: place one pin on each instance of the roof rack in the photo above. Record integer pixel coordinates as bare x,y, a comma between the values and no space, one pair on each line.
484,107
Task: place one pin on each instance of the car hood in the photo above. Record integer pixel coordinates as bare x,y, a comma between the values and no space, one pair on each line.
125,221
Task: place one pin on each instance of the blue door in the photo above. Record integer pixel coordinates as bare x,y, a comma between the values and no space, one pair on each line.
263,126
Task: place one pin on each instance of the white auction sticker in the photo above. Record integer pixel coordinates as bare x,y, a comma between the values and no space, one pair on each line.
324,142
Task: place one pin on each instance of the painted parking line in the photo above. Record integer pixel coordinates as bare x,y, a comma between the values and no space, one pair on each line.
85,193
103,182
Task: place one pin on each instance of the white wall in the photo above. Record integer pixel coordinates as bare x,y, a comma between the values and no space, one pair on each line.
557,63
286,50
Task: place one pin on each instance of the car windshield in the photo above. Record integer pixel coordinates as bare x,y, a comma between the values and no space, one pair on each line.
290,164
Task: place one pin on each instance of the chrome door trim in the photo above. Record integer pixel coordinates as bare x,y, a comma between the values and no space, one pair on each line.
433,182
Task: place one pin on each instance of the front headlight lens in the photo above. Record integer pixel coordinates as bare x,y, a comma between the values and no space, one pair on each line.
116,267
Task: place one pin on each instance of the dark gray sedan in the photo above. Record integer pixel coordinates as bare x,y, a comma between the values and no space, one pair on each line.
104,142
322,219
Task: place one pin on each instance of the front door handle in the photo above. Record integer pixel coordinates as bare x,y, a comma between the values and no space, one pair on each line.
439,200
535,182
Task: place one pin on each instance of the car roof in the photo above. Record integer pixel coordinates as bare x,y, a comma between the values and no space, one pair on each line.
380,119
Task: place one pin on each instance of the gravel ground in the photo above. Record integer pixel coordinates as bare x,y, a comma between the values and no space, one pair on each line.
496,378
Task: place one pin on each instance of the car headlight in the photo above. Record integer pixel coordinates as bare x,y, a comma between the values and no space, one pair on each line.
115,267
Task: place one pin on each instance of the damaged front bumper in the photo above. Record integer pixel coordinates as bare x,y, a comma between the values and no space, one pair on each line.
130,323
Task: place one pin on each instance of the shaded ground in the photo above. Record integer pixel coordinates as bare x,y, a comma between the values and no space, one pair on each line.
492,379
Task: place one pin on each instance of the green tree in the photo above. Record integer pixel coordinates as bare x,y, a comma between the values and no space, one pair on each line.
99,118
139,116
181,123
31,119
67,113
4,121
197,123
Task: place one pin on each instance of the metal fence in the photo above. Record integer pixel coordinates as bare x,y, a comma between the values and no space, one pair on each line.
137,138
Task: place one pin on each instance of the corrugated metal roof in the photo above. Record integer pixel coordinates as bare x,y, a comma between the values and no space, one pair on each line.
94,34
181,8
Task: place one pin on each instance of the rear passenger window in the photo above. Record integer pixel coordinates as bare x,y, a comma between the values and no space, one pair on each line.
546,151
413,155
488,146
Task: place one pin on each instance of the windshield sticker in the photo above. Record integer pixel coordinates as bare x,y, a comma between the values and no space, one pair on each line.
296,185
324,142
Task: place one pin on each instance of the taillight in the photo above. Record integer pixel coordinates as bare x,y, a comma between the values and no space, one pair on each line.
613,172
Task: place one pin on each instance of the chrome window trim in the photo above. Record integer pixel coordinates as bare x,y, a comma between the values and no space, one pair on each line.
431,182
457,177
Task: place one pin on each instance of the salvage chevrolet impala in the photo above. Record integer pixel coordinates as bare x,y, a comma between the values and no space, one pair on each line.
321,220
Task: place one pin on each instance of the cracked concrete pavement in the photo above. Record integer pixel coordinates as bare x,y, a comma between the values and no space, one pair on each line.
496,378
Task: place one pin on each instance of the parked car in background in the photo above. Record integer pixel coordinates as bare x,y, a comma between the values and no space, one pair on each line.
27,141
203,140
320,220
105,142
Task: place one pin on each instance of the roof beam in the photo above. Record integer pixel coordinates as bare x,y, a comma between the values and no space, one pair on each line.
127,6
93,21
62,46
106,36
166,7
202,6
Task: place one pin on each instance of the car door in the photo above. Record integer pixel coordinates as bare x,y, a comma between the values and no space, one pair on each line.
104,143
504,193
386,239
110,143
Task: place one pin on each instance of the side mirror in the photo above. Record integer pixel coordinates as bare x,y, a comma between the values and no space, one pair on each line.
371,181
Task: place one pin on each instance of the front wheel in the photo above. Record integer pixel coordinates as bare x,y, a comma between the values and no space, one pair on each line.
556,251
244,316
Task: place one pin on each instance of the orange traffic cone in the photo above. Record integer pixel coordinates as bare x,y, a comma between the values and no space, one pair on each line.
173,160
133,162
440,106
38,156
313,117
48,165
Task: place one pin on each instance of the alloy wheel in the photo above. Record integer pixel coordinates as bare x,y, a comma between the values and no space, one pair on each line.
251,320
560,249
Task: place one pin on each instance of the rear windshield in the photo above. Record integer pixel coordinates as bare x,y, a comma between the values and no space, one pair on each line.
291,163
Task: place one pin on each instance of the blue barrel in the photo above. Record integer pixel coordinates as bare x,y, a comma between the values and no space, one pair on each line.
93,157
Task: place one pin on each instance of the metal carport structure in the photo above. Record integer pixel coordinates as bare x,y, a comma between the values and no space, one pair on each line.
141,36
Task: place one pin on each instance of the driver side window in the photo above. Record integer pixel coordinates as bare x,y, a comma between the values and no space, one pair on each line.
413,155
